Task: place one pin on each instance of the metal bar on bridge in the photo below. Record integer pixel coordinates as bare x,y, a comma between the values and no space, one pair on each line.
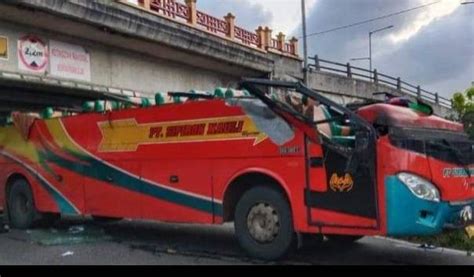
376,77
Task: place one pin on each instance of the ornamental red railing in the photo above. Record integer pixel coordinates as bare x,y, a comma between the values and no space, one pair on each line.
247,37
187,13
169,8
212,24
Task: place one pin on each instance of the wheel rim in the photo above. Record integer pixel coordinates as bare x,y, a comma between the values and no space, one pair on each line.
22,204
263,223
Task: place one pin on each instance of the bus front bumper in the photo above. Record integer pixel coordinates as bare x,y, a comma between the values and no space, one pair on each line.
408,215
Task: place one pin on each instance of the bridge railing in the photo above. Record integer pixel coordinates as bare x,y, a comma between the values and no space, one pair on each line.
187,13
376,77
67,83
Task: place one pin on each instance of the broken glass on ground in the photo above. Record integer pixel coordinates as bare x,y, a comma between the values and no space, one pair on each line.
68,253
69,235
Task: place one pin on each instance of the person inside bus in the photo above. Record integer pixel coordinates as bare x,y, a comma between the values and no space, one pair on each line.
318,112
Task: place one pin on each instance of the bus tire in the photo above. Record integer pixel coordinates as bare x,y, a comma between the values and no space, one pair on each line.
343,239
264,224
21,206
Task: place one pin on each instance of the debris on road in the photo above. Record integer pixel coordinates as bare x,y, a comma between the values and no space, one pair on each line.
76,229
69,235
428,246
68,253
171,251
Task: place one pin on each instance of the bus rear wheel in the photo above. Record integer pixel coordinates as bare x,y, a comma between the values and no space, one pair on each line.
21,207
263,224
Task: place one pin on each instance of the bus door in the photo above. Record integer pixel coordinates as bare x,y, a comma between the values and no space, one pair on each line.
342,188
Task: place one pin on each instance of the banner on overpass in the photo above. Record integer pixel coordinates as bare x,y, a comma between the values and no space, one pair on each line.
69,61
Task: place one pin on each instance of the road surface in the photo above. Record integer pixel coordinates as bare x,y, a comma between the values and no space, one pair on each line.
82,242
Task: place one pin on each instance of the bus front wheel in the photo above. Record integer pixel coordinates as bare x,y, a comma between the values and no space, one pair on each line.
263,224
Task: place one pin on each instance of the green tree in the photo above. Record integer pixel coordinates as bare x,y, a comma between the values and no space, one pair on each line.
463,105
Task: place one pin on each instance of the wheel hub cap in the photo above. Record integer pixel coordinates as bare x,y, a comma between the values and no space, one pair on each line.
263,223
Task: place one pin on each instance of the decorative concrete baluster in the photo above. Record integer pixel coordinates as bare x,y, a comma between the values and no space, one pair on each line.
192,19
268,37
281,41
146,4
261,37
294,46
230,19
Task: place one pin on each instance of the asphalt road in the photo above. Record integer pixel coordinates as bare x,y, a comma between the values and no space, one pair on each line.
79,242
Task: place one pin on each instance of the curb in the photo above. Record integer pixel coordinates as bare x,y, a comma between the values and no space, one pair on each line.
433,249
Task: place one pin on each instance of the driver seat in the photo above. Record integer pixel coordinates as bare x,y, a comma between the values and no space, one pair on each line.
331,130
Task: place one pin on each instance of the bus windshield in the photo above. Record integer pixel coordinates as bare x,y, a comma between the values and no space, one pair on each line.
335,123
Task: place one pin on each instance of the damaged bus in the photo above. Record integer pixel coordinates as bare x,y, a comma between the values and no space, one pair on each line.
279,161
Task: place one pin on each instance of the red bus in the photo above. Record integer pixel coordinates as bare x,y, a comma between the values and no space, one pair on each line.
282,162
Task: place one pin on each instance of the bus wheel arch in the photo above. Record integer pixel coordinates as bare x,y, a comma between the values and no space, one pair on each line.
244,182
37,217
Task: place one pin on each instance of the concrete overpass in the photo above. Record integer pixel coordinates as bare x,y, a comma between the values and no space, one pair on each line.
132,48
61,51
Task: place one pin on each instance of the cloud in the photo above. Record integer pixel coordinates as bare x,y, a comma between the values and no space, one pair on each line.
425,18
440,57
431,47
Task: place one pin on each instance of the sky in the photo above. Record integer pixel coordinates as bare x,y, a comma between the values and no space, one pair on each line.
432,47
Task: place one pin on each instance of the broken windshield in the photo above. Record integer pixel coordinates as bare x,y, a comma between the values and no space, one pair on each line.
448,146
333,122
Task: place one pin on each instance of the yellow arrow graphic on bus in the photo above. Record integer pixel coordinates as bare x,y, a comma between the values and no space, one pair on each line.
126,135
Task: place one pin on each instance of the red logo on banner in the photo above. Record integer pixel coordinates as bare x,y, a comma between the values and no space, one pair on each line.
33,54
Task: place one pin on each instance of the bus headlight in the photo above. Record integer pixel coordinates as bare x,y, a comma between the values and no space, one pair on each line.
420,187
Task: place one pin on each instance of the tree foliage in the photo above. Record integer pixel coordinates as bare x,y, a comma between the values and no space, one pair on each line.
463,105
